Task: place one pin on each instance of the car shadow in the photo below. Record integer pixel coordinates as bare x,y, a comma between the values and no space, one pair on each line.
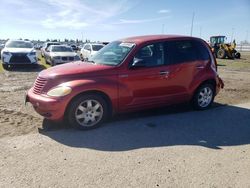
219,126
26,68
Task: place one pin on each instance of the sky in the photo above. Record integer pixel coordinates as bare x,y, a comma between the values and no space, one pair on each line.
108,20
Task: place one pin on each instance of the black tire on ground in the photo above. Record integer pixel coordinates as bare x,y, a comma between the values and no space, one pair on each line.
203,97
87,112
221,54
46,61
237,55
5,67
53,64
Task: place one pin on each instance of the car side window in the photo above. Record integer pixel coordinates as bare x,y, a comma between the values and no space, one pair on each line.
152,55
182,51
49,48
202,51
86,47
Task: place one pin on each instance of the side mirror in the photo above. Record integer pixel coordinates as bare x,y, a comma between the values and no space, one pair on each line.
138,63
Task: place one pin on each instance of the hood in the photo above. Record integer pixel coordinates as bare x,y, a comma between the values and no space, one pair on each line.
77,69
63,54
19,50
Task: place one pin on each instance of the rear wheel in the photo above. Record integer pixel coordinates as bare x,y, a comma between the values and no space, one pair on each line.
221,53
237,55
87,112
204,97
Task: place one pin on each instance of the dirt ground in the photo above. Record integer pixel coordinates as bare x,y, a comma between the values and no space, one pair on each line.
17,119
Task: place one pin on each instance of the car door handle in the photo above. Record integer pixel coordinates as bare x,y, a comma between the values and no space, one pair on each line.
164,72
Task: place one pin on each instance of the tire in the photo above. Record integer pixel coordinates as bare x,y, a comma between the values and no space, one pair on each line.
87,112
237,55
46,61
203,97
221,54
53,64
5,66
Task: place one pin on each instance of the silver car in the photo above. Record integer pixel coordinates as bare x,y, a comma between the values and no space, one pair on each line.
58,54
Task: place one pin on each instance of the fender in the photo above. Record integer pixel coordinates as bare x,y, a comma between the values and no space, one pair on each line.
108,86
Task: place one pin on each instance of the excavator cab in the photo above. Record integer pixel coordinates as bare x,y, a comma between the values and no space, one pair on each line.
217,40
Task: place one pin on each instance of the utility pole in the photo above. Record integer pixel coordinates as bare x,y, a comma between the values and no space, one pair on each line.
192,24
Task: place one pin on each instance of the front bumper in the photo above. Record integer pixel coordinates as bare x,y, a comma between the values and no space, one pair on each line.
50,108
18,58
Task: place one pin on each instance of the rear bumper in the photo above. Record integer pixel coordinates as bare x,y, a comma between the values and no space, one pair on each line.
50,108
219,84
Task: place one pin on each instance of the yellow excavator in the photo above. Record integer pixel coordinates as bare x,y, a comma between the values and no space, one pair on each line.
223,50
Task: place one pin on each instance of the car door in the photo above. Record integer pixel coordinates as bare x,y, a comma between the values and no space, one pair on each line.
189,59
148,84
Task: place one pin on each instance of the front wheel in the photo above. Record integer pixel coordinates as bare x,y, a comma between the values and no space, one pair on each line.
87,112
221,54
204,97
6,66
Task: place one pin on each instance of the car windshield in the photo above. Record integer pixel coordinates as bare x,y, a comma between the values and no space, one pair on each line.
19,44
97,47
61,49
113,54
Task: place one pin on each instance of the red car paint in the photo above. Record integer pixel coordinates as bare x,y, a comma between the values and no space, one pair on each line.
127,89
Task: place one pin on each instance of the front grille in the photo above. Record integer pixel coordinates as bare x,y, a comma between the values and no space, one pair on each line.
68,58
19,58
65,58
39,85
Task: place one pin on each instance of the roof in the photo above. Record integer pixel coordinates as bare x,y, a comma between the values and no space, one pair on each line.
148,38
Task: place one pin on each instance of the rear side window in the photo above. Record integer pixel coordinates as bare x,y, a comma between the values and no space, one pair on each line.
182,51
202,51
187,51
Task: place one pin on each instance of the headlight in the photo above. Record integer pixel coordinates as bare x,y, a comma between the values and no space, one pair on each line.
6,53
56,57
59,91
32,53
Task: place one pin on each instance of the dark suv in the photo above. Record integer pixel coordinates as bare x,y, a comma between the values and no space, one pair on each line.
128,75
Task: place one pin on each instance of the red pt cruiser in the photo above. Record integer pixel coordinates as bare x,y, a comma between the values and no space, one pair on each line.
128,75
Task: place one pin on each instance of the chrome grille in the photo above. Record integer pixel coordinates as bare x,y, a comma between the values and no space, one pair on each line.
39,85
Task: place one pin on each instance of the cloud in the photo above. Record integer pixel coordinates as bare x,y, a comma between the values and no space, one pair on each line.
137,21
163,11
77,14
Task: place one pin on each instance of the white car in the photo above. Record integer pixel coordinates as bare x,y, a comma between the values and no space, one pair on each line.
16,52
46,45
1,47
58,54
88,50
